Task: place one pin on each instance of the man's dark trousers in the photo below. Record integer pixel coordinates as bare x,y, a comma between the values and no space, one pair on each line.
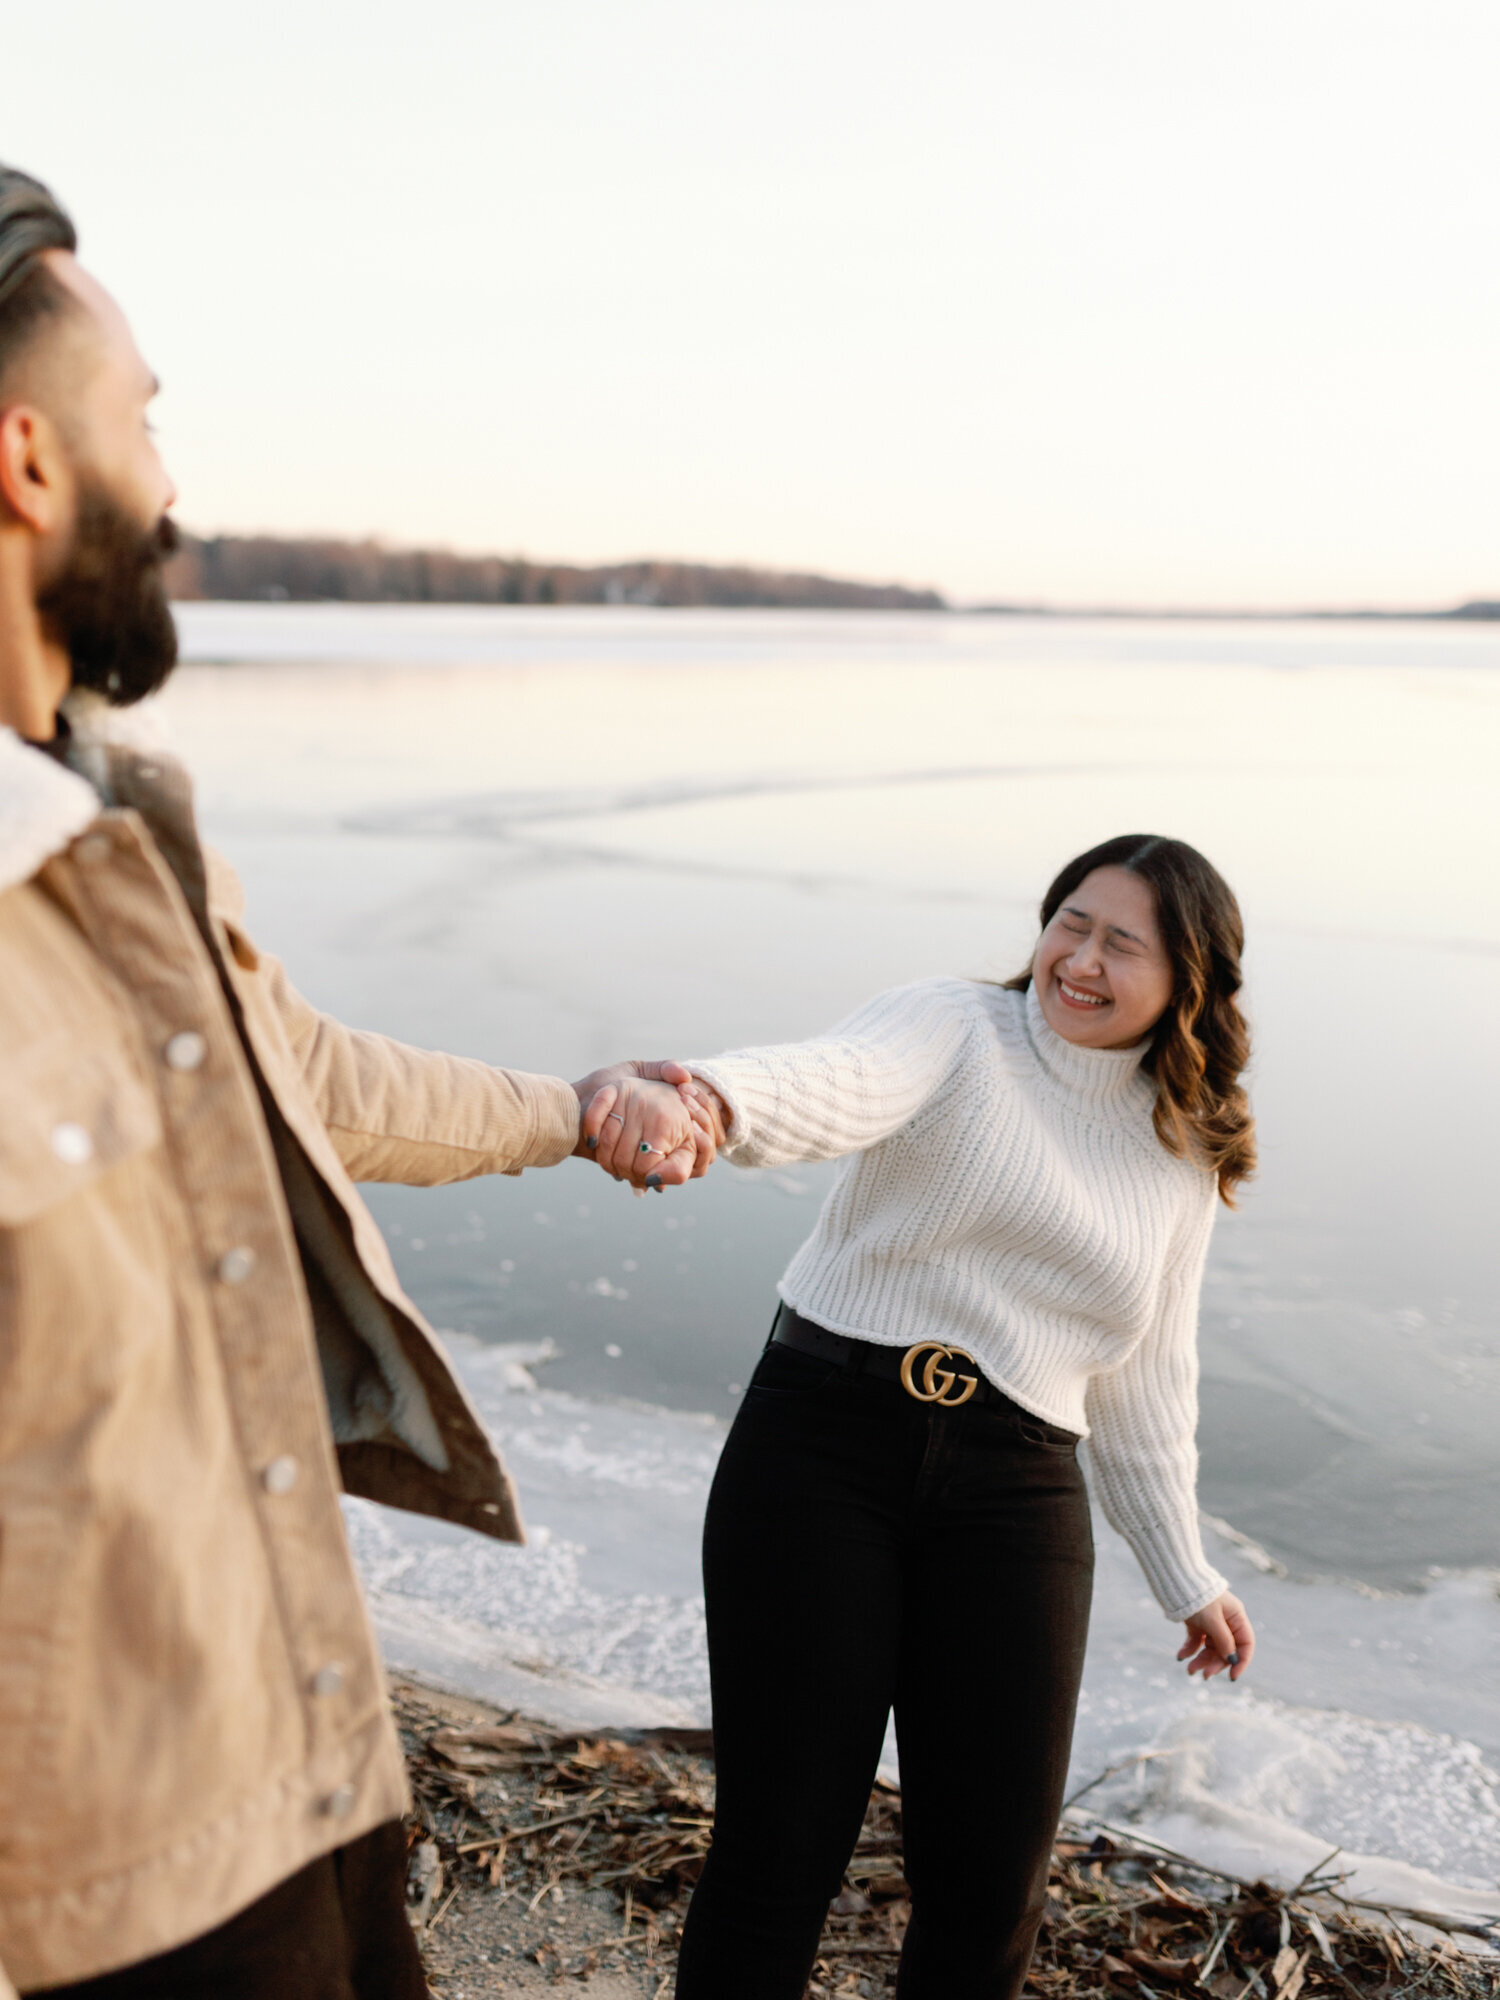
336,1930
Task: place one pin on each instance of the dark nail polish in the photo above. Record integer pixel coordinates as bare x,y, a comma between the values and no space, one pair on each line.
594,1140
654,1181
1234,1659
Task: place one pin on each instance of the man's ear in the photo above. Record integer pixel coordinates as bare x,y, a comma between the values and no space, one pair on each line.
36,482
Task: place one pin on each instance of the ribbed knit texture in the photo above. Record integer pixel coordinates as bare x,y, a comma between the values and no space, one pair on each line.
1005,1192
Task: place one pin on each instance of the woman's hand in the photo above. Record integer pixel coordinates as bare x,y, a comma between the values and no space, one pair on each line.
1219,1636
604,1117
641,1131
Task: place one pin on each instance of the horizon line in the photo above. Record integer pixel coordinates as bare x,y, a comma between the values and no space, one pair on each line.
230,589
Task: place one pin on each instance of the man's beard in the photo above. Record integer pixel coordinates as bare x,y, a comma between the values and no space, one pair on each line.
109,608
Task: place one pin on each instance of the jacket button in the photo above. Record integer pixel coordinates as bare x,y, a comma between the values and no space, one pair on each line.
93,848
340,1803
235,1266
280,1476
73,1144
328,1680
186,1051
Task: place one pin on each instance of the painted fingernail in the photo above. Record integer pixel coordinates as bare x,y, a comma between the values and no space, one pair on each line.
1234,1659
654,1181
594,1139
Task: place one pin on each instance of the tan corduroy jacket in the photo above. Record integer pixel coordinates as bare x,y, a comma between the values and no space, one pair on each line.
191,1703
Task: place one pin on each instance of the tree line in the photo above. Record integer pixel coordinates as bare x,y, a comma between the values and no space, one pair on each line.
268,568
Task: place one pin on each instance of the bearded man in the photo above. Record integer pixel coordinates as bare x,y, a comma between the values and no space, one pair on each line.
202,1338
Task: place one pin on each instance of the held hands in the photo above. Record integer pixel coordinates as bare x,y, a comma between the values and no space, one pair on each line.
1219,1636
647,1123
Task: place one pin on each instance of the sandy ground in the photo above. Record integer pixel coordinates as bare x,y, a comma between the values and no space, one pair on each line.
479,1940
480,1946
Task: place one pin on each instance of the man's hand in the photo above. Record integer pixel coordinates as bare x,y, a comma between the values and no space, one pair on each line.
641,1128
1219,1636
701,1098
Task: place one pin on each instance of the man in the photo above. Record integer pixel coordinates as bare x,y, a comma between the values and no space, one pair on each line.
201,1333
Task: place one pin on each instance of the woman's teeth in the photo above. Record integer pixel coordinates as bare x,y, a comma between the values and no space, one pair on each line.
1079,997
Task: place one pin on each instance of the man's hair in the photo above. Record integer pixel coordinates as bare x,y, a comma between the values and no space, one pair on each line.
32,221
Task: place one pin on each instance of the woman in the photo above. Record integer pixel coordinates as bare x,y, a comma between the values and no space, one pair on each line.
1010,1259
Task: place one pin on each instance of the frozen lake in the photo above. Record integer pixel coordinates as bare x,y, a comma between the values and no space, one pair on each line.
553,838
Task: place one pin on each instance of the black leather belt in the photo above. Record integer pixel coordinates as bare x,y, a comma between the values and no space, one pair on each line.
931,1371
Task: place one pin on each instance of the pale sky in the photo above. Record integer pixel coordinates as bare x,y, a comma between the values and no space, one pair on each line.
1066,300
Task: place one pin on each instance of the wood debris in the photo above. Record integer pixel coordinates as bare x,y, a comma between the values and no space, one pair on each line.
518,1811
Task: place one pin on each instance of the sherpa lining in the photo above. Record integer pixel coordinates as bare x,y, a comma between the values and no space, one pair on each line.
43,806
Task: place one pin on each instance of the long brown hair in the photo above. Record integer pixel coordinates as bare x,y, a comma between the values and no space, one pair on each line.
1201,1043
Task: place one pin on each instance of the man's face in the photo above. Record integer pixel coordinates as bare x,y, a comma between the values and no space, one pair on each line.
103,598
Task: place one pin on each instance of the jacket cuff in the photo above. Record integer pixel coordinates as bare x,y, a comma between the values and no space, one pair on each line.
556,1113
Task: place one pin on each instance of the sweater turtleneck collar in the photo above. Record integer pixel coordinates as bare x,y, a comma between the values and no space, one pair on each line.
1108,1079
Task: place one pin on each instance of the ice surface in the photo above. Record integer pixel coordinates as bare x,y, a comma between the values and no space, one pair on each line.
481,830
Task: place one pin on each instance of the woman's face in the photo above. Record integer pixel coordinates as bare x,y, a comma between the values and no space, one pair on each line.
1101,972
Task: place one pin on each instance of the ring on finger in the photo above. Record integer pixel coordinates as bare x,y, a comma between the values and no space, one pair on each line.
651,1149
613,1114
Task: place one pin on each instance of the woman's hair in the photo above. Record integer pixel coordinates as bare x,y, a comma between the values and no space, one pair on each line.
1202,1042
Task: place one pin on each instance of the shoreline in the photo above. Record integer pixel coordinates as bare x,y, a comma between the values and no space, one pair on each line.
1348,1734
563,1860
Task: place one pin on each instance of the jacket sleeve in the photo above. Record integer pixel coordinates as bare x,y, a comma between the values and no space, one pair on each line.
1143,1419
848,1089
393,1112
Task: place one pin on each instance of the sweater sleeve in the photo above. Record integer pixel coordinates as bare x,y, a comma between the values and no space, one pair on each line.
1143,1417
846,1090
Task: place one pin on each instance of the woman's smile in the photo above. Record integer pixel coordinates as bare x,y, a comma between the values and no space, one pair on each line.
1078,996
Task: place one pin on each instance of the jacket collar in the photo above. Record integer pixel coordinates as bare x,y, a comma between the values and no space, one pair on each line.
43,804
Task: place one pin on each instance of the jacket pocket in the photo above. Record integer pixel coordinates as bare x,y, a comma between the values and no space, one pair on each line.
68,1114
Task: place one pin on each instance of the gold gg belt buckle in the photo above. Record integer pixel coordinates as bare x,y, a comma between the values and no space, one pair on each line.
937,1381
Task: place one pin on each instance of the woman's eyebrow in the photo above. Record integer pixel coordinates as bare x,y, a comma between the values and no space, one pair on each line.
1119,930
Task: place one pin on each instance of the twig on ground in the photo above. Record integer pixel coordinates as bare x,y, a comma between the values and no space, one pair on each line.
1113,1771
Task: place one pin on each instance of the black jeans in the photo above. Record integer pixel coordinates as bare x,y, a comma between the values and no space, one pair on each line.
336,1930
864,1550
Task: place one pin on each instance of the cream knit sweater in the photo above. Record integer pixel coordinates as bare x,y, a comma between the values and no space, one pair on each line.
1004,1192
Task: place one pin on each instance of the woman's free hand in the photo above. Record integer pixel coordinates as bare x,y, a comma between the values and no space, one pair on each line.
1219,1636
